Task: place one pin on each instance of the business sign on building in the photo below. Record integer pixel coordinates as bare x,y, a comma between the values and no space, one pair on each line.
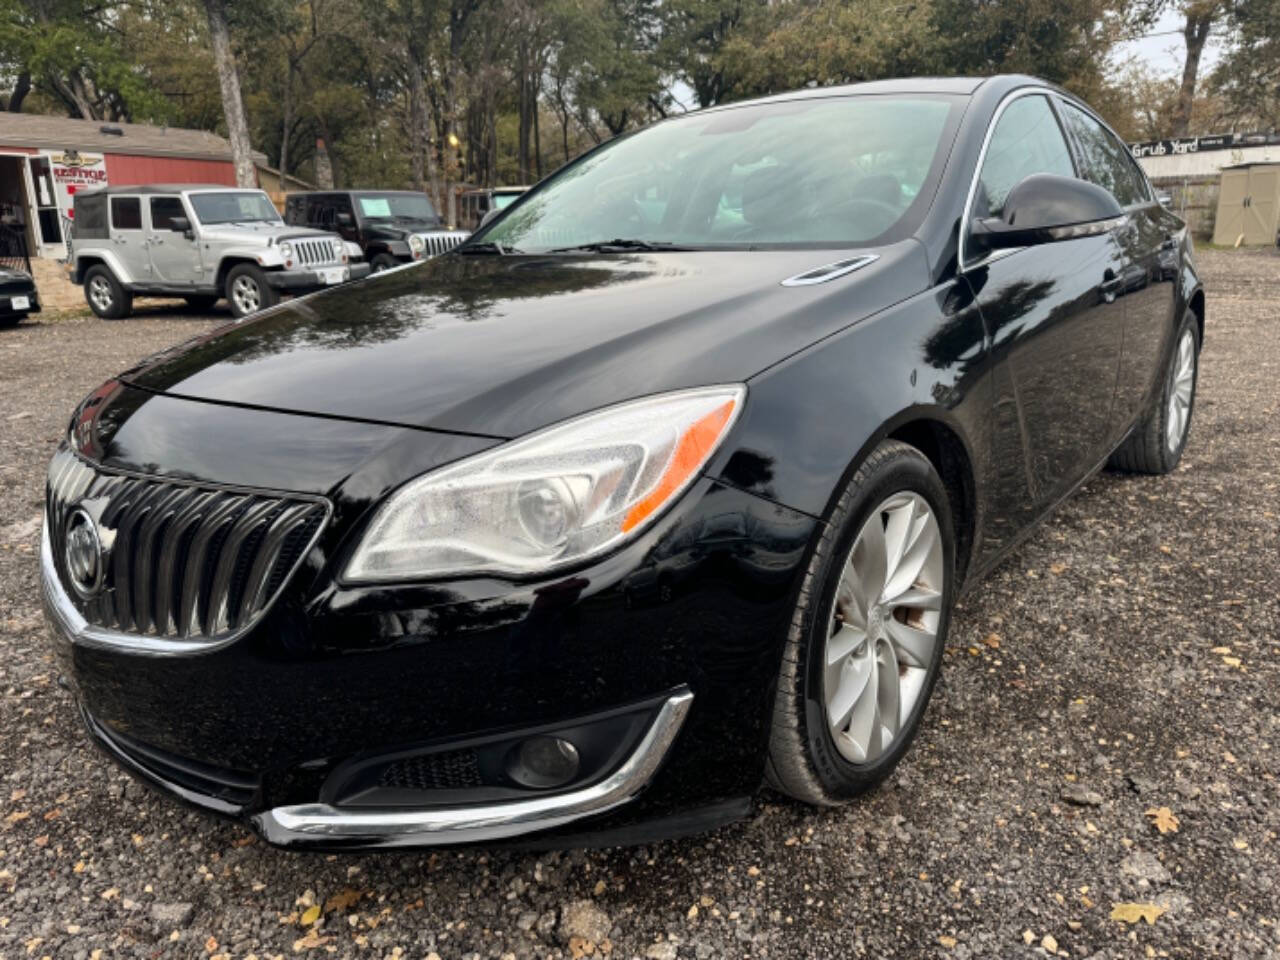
73,171
1180,146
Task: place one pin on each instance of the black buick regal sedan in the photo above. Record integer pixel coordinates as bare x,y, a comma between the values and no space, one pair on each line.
659,489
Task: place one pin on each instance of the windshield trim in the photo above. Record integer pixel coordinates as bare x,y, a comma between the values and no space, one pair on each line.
906,225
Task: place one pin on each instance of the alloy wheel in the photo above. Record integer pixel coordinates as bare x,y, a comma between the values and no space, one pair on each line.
246,295
1180,397
100,294
883,634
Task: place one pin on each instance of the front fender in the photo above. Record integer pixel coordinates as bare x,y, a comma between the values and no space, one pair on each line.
810,420
268,258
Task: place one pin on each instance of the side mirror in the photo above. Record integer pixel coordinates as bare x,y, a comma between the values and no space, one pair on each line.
1045,207
179,224
345,219
1164,199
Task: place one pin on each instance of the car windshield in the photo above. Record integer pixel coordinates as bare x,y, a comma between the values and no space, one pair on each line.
395,206
836,171
240,206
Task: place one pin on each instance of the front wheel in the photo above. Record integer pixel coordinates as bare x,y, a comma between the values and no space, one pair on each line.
247,290
383,261
867,636
1156,444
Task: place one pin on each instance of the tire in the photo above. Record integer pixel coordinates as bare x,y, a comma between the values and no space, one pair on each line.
383,261
807,760
247,290
202,301
104,294
1155,446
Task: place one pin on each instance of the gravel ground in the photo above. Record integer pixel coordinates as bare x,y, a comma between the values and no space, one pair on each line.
1123,661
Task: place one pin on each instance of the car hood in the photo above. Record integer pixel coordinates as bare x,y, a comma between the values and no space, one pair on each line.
497,346
401,230
263,233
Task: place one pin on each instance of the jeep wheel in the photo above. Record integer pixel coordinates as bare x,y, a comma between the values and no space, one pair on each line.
248,290
383,261
104,294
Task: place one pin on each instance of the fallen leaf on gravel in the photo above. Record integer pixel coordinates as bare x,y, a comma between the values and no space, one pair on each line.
1163,819
1240,844
310,942
244,841
1220,651
1231,661
17,816
345,900
1049,943
311,915
110,893
579,948
1028,937
1133,912
948,942
211,945
992,640
1057,569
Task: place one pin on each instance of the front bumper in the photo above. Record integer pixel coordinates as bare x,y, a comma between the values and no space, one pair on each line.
305,281
262,728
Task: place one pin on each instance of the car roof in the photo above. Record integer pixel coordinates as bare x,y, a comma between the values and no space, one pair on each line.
149,188
956,86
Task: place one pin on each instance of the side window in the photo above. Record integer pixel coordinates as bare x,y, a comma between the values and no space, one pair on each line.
163,210
293,211
1026,140
1106,162
126,213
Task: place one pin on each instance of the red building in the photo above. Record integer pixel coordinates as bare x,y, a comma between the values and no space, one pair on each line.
45,160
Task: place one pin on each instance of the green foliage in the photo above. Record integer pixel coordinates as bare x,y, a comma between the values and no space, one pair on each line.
1247,78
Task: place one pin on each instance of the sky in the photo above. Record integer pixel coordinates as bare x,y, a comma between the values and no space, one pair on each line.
1163,49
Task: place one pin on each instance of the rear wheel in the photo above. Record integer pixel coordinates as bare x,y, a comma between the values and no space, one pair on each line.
247,290
1156,444
867,636
104,294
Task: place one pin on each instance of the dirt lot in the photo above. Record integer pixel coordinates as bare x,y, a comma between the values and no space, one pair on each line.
1125,660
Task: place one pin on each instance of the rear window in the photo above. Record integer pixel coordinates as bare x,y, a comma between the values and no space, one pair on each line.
90,217
126,213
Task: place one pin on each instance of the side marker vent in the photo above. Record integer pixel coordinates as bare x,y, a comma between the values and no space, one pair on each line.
829,271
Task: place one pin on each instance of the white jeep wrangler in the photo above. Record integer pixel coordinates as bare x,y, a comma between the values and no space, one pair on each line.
199,243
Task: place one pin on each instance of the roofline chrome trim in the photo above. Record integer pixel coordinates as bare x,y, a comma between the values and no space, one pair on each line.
321,824
830,271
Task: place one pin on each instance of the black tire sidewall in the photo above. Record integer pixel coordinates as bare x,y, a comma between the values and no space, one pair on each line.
907,473
383,261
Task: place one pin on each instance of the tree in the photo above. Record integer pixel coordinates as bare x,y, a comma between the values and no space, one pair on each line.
1248,77
229,83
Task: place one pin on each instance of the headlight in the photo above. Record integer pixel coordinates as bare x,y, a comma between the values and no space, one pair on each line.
286,249
338,247
553,498
416,243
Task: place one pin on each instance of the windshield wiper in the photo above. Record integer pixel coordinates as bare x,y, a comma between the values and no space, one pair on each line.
620,245
487,247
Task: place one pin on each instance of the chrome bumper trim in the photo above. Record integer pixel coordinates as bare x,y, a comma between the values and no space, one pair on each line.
321,824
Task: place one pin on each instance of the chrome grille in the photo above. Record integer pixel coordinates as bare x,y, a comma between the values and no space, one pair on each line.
181,560
438,243
315,252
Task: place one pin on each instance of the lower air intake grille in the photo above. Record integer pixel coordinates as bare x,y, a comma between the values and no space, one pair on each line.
452,770
178,560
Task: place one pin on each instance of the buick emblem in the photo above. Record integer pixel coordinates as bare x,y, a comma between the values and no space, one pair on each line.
83,554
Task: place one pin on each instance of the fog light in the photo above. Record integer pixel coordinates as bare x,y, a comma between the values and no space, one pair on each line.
543,762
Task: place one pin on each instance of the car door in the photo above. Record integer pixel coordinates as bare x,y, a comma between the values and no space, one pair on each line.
128,241
175,258
1054,324
1150,234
